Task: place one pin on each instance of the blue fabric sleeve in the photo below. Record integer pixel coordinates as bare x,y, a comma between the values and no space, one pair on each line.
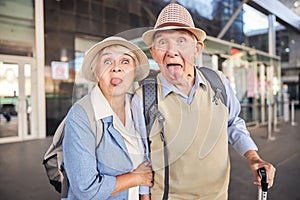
144,190
138,118
80,162
238,135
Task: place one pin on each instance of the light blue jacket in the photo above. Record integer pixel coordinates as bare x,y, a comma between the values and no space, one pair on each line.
92,171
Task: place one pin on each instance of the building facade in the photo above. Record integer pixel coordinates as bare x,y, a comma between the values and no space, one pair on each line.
43,44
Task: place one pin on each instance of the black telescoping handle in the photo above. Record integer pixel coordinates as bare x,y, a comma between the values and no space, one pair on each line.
264,179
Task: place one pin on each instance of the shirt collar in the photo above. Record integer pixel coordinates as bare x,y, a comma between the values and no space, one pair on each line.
102,110
101,106
168,88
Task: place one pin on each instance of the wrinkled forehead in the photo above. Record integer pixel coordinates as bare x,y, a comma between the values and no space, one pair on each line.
117,49
161,33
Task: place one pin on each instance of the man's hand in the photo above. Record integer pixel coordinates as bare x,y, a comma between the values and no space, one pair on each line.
255,162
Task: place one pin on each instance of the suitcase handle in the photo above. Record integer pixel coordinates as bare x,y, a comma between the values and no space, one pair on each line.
264,179
264,184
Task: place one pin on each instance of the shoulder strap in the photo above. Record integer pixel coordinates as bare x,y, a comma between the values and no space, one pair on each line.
216,84
59,179
56,141
97,127
151,112
149,85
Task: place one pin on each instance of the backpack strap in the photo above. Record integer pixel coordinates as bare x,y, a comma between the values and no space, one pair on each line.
97,127
151,112
149,85
86,104
216,84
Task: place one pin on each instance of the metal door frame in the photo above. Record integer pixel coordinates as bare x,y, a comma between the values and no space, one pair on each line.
22,108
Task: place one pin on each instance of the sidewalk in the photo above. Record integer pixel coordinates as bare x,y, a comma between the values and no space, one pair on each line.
22,176
283,153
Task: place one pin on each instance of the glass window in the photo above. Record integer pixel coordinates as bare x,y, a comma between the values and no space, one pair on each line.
17,28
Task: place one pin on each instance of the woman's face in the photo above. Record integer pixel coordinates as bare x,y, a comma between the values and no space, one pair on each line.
115,70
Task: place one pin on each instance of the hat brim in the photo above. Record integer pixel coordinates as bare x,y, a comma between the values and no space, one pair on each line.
148,35
141,71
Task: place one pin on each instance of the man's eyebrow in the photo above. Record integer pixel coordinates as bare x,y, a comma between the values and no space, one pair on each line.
157,35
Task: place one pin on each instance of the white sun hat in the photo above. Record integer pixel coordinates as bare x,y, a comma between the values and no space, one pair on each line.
142,68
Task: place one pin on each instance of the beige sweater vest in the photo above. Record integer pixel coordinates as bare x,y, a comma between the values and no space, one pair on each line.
197,145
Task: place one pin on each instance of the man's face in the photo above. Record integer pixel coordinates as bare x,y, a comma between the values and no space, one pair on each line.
175,51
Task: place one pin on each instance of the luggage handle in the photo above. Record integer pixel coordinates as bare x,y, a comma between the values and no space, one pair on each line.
262,193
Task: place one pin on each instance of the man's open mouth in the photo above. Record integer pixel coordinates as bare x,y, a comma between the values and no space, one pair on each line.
175,65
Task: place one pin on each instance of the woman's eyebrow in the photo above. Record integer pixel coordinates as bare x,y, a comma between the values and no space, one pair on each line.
105,54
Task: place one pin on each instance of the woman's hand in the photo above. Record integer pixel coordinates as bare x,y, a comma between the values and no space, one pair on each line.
145,197
141,176
144,174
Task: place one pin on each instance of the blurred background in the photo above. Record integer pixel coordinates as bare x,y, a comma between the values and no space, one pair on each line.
256,43
42,45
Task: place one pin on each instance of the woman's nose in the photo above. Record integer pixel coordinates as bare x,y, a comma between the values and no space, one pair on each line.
116,68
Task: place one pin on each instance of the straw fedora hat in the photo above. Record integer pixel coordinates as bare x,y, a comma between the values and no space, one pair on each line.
173,17
142,63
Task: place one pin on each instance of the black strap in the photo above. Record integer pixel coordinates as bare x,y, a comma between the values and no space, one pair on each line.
151,111
161,120
166,157
149,85
216,84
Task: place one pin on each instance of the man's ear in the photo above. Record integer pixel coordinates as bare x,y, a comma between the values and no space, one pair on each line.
152,53
199,47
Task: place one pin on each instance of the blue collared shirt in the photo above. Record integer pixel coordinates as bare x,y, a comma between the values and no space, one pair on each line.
238,135
92,170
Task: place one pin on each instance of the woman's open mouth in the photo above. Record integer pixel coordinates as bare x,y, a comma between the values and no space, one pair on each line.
116,81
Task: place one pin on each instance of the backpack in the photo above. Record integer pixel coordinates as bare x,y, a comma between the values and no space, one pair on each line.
53,158
149,86
151,112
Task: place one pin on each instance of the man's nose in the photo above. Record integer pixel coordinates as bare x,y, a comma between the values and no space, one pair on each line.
172,50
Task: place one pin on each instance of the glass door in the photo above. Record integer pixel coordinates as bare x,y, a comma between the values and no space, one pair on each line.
15,98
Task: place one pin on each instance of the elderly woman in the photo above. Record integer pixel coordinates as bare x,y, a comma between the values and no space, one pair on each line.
117,168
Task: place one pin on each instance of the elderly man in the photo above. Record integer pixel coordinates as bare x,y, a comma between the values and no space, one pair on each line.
196,129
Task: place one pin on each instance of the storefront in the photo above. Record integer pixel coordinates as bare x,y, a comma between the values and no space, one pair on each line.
43,44
255,77
22,94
